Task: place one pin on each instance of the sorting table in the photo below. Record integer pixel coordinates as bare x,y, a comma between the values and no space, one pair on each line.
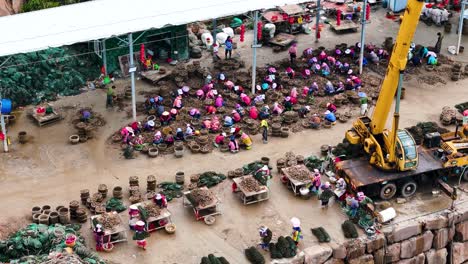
201,212
156,223
295,184
248,197
115,235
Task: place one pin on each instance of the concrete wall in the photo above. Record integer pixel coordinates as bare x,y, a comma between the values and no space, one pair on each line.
433,239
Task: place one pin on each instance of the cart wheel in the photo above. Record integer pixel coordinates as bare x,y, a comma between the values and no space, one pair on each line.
408,189
388,191
209,220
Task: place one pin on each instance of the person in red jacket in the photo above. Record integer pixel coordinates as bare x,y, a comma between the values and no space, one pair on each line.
210,110
245,99
253,112
236,116
219,140
331,107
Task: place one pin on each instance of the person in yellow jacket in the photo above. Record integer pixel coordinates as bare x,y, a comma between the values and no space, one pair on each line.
246,140
264,126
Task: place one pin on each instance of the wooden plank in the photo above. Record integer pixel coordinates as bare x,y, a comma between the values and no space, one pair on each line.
155,76
282,39
345,25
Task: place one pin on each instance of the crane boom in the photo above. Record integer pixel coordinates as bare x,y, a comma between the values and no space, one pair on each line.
396,64
393,149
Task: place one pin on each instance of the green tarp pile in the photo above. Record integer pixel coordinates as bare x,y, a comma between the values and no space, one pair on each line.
115,204
252,168
284,248
34,243
38,76
313,162
210,179
171,190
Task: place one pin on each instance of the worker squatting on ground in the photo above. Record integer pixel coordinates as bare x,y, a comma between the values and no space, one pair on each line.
265,236
160,200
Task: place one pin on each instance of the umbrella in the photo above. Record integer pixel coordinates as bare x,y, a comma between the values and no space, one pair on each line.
362,94
295,222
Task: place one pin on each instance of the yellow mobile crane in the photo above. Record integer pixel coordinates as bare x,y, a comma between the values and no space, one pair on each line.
395,161
381,144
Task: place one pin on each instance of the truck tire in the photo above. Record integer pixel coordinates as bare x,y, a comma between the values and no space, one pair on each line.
388,191
465,174
408,189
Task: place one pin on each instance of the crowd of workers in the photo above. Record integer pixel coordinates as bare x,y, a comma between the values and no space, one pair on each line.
319,63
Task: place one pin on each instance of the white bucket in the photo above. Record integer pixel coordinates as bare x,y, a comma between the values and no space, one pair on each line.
221,38
386,215
229,31
304,191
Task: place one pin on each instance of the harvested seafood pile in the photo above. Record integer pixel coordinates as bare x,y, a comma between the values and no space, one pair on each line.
200,197
298,174
250,185
152,210
109,220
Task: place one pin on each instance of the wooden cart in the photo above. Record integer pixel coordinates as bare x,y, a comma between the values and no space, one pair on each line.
282,40
116,235
155,76
251,197
295,184
345,25
201,212
156,223
48,119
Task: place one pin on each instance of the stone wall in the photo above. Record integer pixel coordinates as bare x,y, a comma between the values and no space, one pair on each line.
432,239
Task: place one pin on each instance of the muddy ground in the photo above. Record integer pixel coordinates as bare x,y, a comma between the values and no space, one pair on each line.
48,170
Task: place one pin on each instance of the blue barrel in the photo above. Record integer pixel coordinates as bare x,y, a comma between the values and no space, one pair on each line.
6,106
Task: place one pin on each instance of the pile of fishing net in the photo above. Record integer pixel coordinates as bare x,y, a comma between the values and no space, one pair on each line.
253,167
313,162
39,243
43,75
423,128
115,204
171,190
210,179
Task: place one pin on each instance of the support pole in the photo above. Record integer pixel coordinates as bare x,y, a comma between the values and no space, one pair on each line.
254,46
363,33
5,140
132,74
214,30
104,56
3,126
460,25
317,22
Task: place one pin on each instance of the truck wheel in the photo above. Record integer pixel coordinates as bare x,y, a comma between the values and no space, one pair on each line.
388,191
465,175
408,189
